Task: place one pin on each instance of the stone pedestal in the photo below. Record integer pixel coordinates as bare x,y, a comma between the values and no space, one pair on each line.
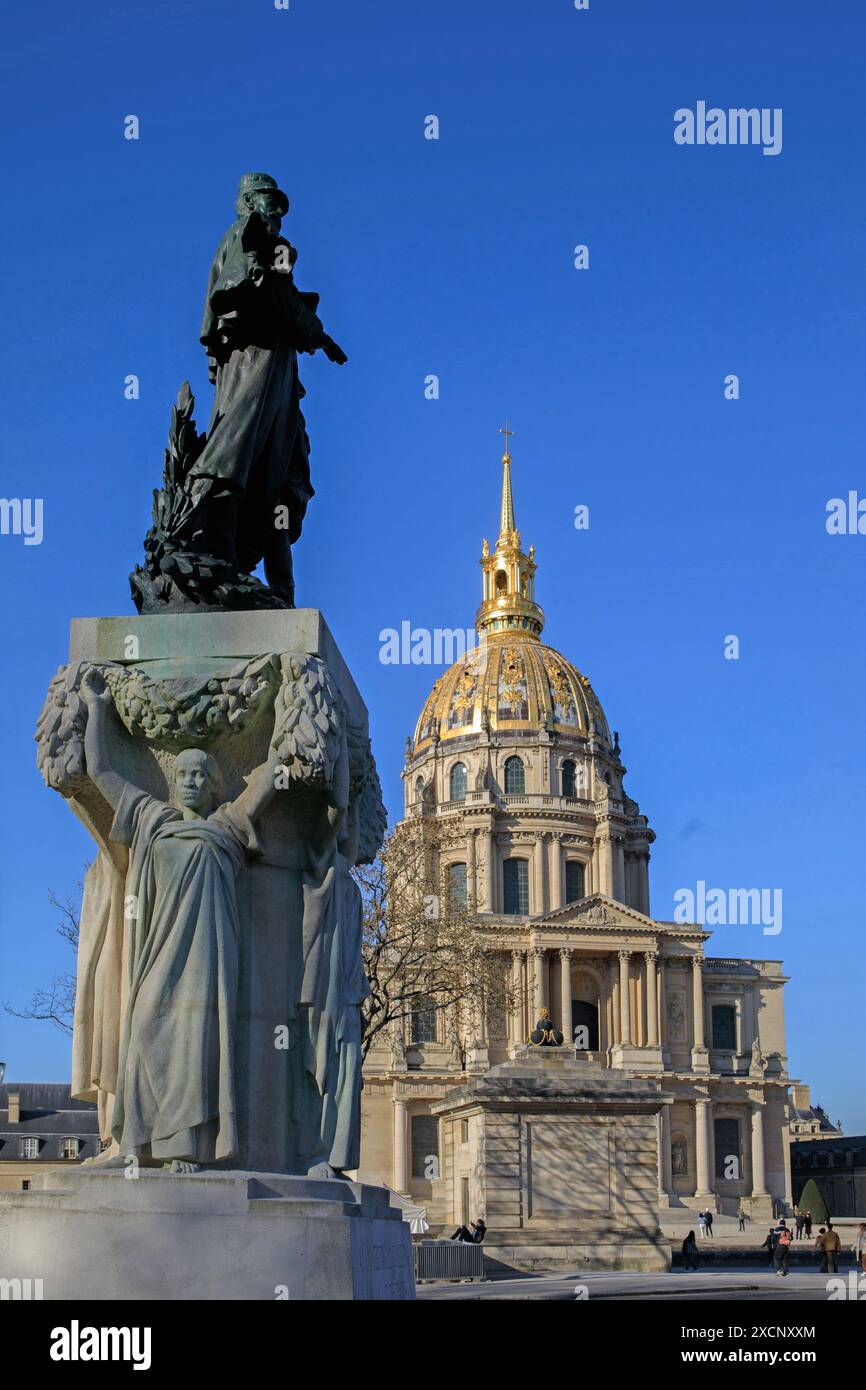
97,1234
565,1168
219,987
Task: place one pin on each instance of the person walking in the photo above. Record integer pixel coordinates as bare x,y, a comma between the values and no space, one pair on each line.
832,1247
708,1216
741,1219
859,1247
702,1224
782,1249
690,1252
769,1244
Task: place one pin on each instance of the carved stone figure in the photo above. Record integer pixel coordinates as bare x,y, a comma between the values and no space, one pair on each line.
679,1156
166,1040
676,1017
239,494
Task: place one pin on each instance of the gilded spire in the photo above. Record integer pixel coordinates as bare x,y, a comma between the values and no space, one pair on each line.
506,516
509,575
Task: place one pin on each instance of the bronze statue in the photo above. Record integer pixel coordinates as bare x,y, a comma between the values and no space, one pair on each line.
238,495
544,1034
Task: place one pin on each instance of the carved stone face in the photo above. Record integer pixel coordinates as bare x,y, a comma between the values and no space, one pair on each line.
194,782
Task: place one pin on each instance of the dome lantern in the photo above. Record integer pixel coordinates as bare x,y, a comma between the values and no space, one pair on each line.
508,600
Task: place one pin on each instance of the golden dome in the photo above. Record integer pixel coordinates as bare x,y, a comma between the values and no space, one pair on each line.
512,683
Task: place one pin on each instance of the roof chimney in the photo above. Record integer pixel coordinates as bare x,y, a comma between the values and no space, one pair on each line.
14,1107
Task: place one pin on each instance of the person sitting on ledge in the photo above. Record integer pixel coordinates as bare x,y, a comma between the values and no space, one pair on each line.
544,1033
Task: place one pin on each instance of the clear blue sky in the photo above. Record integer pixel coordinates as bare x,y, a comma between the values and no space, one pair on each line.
455,257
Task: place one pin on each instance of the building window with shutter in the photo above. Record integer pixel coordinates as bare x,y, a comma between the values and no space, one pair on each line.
28,1148
70,1148
515,883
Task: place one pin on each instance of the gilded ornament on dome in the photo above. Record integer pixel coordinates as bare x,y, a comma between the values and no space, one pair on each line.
463,699
512,686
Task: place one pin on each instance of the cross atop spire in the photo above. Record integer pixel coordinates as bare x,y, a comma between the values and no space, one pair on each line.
506,522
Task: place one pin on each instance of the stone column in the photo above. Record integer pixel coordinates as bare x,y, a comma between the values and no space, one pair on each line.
556,894
618,870
703,1117
663,1003
518,1026
652,1017
665,1176
698,999
538,963
603,860
487,898
624,998
471,870
565,1021
401,1165
759,1188
616,1035
540,905
643,903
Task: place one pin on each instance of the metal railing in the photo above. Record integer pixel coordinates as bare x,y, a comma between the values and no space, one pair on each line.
448,1259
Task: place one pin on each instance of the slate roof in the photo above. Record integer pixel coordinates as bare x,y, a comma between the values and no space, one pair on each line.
49,1113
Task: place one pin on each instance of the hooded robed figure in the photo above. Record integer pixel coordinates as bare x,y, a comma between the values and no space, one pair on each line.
256,458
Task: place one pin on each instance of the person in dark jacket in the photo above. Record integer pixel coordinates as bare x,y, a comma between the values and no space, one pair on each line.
690,1252
770,1245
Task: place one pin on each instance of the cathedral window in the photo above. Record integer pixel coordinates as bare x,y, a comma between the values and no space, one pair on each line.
569,780
573,881
515,777
515,882
457,884
425,1146
423,1025
458,782
727,1137
724,1028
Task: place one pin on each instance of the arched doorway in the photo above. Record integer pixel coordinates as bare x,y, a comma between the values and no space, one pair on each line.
584,1010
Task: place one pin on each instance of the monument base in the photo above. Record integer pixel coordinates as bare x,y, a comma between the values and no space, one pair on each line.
560,1157
97,1234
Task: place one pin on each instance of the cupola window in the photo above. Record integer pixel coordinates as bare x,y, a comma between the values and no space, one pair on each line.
458,782
515,777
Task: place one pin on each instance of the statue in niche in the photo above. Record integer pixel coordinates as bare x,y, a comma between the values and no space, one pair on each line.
676,1017
679,1156
238,495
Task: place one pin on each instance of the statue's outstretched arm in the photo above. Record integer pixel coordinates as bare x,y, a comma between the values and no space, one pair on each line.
97,698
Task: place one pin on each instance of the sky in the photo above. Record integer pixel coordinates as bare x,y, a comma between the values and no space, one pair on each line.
455,257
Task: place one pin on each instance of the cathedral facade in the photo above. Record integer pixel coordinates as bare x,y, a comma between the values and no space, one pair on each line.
514,752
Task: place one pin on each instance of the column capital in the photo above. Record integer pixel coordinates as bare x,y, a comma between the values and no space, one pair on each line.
538,950
652,956
624,955
565,952
698,960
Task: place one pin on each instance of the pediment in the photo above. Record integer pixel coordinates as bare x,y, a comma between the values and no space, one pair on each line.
598,911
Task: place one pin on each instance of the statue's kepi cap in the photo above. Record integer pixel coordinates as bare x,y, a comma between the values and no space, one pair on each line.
257,183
